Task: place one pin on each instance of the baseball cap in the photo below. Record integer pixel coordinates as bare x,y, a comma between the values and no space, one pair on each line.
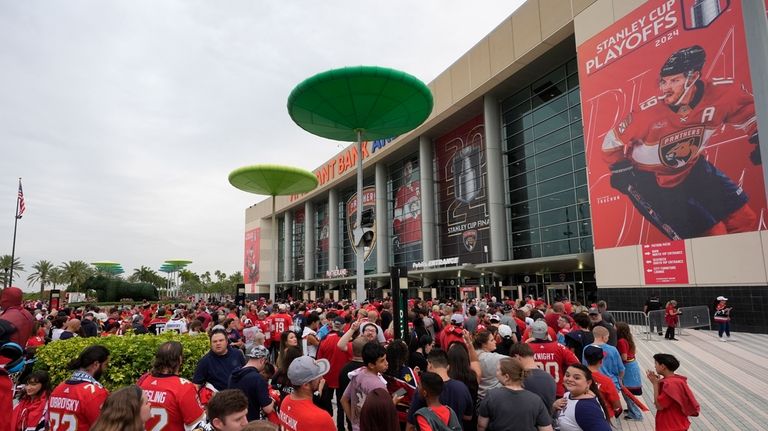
722,298
262,313
258,352
304,369
594,310
505,331
457,318
338,322
539,330
495,318
593,353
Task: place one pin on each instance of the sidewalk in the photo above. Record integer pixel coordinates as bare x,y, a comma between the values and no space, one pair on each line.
730,380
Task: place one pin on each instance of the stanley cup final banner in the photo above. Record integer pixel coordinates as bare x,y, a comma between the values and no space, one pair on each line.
252,254
464,223
670,126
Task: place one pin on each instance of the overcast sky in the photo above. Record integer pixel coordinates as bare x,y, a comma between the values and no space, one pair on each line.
124,118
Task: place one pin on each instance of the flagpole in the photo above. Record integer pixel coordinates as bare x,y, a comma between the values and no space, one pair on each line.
13,248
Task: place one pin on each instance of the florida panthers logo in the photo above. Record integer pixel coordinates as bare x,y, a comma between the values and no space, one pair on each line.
470,239
679,148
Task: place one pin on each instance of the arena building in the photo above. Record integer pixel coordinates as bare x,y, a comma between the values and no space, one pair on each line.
585,149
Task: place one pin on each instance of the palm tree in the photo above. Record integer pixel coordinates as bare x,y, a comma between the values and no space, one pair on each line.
220,276
56,276
42,274
76,272
144,274
5,267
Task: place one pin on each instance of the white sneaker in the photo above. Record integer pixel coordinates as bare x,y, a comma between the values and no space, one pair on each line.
723,339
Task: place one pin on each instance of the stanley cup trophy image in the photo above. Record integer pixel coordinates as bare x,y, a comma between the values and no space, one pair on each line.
466,175
703,12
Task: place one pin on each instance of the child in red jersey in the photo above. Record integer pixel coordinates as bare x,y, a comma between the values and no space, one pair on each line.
674,400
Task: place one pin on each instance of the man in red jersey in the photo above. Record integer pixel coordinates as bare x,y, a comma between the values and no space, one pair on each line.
264,324
298,412
550,356
658,152
75,404
174,403
406,223
279,323
337,358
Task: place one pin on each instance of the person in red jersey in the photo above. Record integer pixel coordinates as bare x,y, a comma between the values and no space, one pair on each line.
174,403
279,323
658,152
298,412
406,223
75,404
593,355
674,400
32,410
337,358
551,356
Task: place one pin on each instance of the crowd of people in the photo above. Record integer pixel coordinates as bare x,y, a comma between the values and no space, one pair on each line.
326,365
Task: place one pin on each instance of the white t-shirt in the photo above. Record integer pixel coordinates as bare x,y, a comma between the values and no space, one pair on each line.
179,326
309,349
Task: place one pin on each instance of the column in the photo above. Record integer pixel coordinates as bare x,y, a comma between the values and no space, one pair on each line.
288,246
494,158
428,215
382,224
333,229
756,32
309,241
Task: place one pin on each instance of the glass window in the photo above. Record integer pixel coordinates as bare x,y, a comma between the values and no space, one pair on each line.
553,139
556,153
556,169
322,239
546,171
557,200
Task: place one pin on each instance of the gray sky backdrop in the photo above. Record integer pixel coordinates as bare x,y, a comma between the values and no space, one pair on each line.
124,118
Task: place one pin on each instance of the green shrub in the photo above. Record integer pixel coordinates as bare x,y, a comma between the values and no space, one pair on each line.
130,356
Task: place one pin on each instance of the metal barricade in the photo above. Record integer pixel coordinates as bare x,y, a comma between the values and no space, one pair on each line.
690,317
637,321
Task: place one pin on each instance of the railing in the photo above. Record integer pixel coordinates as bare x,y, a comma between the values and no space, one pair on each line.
689,317
637,320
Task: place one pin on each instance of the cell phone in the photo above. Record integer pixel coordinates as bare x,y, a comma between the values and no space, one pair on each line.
400,392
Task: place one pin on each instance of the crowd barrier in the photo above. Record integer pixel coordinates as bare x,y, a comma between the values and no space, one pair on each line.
637,321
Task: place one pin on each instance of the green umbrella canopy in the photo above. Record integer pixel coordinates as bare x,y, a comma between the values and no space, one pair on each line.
273,180
380,102
178,262
104,263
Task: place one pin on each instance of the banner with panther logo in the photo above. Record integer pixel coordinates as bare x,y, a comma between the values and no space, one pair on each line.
369,209
461,172
670,127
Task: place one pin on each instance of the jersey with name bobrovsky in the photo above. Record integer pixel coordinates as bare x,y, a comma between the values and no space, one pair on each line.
668,142
75,405
174,404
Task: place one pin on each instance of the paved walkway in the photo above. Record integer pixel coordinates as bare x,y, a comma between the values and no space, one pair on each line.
730,380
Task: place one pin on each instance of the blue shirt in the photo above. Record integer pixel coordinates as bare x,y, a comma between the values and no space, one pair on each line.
216,369
612,363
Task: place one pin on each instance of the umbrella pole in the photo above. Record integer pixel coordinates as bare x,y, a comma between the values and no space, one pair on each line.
274,253
360,272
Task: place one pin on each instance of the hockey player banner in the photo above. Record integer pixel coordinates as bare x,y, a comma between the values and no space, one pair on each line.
406,212
461,166
369,212
252,244
669,125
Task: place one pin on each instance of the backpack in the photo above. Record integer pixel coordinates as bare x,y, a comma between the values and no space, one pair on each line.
454,424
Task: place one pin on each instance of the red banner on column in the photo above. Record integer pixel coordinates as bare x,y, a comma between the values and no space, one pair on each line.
665,263
252,253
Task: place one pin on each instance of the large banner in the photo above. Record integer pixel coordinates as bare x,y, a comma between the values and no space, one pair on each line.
464,223
252,254
669,125
369,211
406,217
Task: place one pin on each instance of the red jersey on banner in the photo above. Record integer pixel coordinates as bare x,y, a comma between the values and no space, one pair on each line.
75,406
553,358
174,402
407,221
670,131
278,324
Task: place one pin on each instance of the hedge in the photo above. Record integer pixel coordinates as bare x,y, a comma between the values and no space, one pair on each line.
130,356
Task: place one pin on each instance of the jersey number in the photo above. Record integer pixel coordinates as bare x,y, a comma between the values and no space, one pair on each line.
67,422
162,415
553,368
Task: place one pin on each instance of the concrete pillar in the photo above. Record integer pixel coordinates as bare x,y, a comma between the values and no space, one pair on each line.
495,160
288,247
309,241
428,216
333,229
756,31
382,223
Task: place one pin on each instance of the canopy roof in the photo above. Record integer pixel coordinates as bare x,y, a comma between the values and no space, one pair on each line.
380,102
273,180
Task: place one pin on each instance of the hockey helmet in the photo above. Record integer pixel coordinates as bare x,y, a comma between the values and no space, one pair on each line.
684,60
15,354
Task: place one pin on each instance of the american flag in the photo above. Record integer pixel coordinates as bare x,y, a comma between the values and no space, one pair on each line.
22,207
